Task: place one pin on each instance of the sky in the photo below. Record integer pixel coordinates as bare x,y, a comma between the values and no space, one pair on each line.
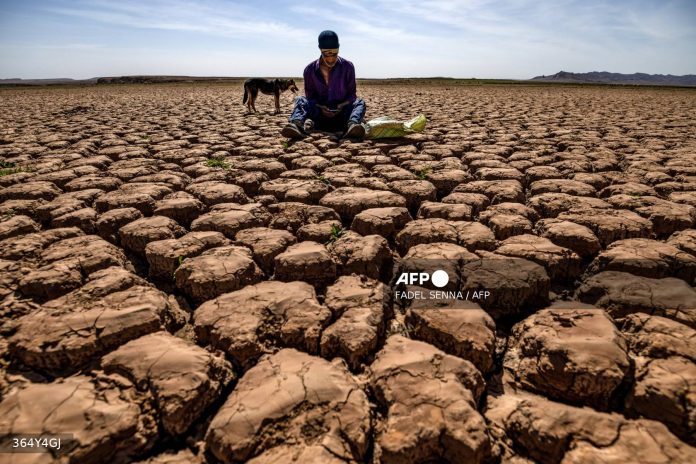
516,39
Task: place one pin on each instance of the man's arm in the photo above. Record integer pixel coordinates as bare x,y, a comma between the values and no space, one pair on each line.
351,91
309,89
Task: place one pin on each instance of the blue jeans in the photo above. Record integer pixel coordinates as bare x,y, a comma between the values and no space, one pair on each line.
349,114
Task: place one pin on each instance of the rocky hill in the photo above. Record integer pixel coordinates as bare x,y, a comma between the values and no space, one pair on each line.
604,77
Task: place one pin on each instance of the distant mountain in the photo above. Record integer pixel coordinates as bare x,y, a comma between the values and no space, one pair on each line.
604,77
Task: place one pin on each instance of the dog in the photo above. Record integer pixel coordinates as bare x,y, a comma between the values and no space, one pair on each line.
269,87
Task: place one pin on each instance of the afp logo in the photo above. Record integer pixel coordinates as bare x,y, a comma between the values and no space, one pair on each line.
439,278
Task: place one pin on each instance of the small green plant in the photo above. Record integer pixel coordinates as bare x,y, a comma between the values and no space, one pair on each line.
422,173
285,145
636,194
336,233
8,171
7,164
179,262
7,214
217,163
323,179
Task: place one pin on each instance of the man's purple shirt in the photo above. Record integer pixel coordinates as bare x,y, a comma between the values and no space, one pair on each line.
341,83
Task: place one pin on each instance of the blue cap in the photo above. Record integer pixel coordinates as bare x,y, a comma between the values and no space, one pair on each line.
328,39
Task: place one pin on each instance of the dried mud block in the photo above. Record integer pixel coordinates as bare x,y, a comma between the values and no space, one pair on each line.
164,256
567,186
251,321
687,198
664,391
452,212
155,190
627,188
320,232
182,210
83,218
292,407
230,218
10,274
460,328
515,284
476,201
647,258
105,183
431,257
430,398
109,223
497,191
445,180
51,281
59,206
535,173
137,234
360,306
265,244
550,205
517,209
570,235
386,222
30,246
183,378
414,191
666,216
300,190
291,216
30,191
67,338
472,235
506,225
217,271
349,201
17,225
561,264
117,199
684,240
622,294
91,252
550,432
184,456
97,285
610,225
212,193
665,385
355,254
573,355
499,174
106,424
23,207
658,337
307,261
67,263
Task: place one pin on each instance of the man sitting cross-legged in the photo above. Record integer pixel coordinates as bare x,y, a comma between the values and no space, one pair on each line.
330,102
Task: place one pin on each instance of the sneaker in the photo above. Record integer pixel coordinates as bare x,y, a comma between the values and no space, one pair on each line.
308,126
355,131
292,131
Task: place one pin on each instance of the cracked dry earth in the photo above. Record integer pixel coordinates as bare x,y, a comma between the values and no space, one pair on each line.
175,289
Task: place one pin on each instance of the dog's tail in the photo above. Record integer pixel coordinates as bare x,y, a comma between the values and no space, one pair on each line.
246,95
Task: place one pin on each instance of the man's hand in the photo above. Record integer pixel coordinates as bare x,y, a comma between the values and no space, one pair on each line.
326,112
